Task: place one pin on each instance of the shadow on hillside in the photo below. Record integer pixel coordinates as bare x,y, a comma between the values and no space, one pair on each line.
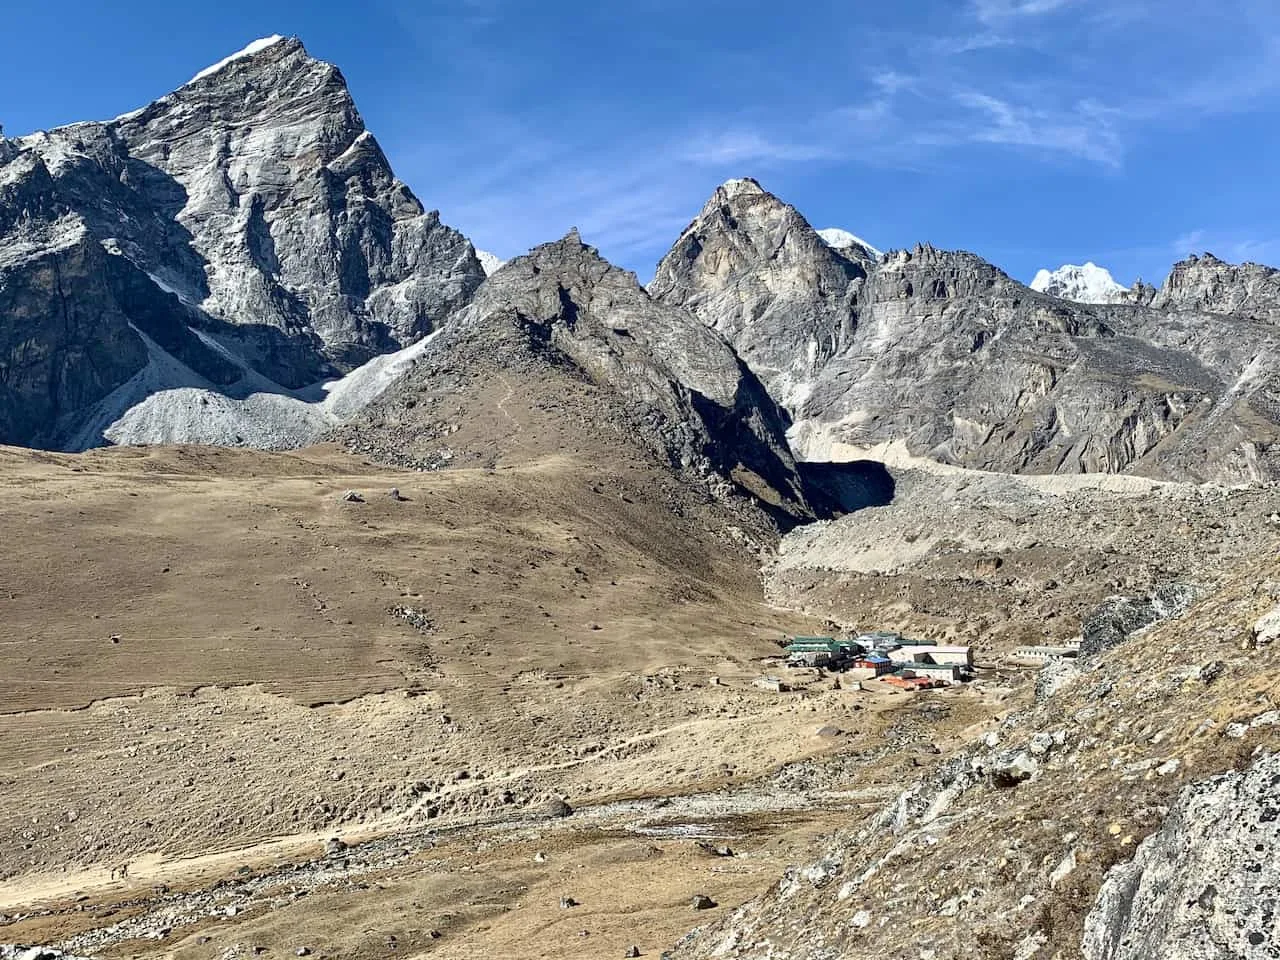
834,489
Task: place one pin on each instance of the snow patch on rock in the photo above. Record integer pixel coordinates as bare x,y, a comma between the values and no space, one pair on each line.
490,262
256,47
740,186
168,402
838,239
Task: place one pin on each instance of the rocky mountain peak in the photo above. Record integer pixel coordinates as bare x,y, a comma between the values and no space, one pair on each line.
739,187
253,48
572,332
266,79
752,267
250,204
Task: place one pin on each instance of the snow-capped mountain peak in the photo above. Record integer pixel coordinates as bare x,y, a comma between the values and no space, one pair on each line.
838,239
1089,283
489,262
740,186
256,47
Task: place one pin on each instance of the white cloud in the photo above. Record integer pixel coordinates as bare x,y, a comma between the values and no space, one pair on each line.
1084,130
890,82
1001,11
746,147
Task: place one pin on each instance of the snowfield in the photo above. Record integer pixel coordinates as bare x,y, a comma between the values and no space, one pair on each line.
490,262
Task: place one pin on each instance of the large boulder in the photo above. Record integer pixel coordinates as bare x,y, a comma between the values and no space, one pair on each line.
1202,887
1115,619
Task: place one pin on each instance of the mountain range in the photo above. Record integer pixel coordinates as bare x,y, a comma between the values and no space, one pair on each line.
506,634
237,263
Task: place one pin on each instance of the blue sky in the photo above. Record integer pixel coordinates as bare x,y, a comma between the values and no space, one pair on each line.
1033,132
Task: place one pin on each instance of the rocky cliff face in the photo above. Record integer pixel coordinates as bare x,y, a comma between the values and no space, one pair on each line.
945,353
586,355
250,205
1204,885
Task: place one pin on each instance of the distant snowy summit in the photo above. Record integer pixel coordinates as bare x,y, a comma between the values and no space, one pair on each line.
489,262
838,239
1087,284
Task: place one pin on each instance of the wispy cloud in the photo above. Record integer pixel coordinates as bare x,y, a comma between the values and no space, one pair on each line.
631,199
1002,11
1084,130
748,147
1081,85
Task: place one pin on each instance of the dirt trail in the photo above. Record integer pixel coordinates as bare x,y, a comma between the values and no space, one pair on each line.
30,893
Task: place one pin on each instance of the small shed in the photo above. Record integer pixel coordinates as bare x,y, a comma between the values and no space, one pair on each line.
772,684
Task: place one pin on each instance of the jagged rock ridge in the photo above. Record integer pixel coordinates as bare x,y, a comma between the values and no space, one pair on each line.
1205,284
245,220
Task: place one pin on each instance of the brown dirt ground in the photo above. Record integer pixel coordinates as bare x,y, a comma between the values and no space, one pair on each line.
199,658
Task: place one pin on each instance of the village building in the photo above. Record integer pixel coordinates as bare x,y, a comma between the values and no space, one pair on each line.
821,652
938,653
912,664
948,672
1043,653
877,664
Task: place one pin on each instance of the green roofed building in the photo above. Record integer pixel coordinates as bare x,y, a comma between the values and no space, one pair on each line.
820,651
825,644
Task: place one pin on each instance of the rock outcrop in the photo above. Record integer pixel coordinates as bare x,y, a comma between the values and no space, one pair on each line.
246,220
1205,284
1117,618
1202,887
